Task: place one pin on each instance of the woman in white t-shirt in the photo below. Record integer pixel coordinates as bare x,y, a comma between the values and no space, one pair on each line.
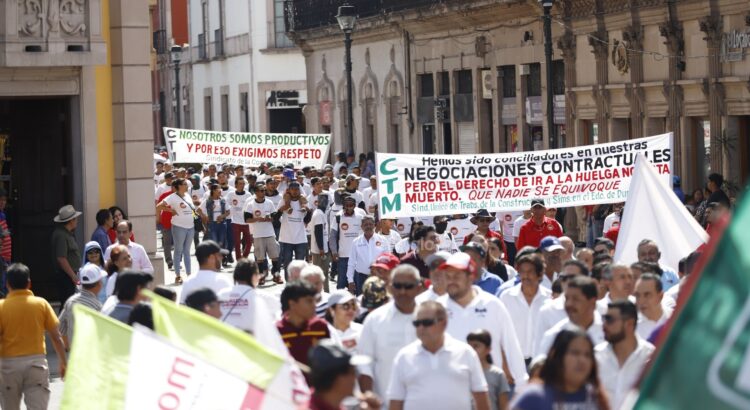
342,308
183,227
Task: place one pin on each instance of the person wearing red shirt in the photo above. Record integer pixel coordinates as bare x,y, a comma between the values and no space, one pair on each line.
482,219
538,226
299,327
165,225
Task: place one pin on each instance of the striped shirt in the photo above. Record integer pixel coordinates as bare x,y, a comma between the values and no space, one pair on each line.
85,298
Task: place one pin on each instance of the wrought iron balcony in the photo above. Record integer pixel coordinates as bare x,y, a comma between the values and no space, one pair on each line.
309,14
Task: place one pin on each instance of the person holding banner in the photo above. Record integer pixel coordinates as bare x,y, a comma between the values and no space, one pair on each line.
538,226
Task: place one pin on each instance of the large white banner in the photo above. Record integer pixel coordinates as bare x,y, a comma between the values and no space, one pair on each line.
424,185
248,149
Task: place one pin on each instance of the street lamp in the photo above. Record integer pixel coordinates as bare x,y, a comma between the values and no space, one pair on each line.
547,6
175,54
347,19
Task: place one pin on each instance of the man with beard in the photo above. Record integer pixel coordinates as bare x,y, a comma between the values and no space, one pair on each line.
623,356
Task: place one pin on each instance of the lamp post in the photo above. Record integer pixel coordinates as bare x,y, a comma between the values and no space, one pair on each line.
347,19
175,55
547,6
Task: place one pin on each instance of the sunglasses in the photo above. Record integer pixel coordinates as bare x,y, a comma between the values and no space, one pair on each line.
92,251
610,319
424,322
404,286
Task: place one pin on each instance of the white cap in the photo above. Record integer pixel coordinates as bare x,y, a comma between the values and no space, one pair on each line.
91,274
340,297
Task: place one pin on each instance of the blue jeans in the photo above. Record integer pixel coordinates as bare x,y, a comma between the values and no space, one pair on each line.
299,250
341,281
229,237
182,237
359,282
217,231
594,231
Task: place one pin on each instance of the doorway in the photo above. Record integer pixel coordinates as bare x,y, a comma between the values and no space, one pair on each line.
286,121
37,175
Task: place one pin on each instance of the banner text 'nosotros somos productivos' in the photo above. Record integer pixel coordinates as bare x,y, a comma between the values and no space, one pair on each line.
423,185
248,149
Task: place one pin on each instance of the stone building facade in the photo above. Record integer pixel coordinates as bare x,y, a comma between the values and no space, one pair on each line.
469,77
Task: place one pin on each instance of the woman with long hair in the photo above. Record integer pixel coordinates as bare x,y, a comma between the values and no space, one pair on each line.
180,205
569,377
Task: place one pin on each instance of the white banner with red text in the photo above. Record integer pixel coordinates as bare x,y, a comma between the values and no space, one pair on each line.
246,148
424,185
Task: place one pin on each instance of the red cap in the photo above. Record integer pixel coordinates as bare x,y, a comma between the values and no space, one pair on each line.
386,261
461,261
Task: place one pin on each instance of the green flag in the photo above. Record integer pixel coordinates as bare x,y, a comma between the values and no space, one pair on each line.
226,347
97,374
704,362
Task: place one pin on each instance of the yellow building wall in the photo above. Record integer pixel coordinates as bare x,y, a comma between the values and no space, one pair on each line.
105,141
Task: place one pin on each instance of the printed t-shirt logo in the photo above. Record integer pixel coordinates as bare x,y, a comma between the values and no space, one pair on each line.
344,226
377,243
257,212
550,227
454,231
234,202
400,227
182,206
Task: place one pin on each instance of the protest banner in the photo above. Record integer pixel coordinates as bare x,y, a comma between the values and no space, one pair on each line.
247,149
423,185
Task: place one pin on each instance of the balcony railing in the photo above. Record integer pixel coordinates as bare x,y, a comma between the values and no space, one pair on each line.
308,14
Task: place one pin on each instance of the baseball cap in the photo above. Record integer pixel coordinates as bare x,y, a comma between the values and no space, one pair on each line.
195,177
339,297
208,248
386,261
347,197
293,184
537,202
461,261
473,246
327,355
90,274
439,256
373,293
326,167
550,243
352,177
168,175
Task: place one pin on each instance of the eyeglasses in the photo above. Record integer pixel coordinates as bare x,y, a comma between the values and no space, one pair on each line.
404,286
609,319
424,322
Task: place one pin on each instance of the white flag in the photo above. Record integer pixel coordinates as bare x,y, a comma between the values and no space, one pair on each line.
653,211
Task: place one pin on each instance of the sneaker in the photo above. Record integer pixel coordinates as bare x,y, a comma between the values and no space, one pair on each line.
178,280
278,280
169,265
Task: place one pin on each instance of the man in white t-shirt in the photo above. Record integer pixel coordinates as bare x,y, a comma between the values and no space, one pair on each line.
293,235
507,223
241,305
259,214
236,201
319,231
385,229
344,229
612,220
159,172
470,308
210,257
459,226
161,189
368,192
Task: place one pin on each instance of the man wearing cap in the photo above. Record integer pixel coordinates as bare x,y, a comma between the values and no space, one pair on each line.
259,215
66,256
437,371
482,220
345,228
351,187
538,226
210,256
24,320
488,282
552,251
387,329
437,277
365,248
333,377
469,308
91,283
383,265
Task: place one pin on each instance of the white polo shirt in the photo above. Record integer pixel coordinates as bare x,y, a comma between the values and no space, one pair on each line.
603,304
349,338
429,294
595,332
616,380
525,315
646,326
363,253
386,330
550,314
138,253
445,379
403,226
204,279
485,311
